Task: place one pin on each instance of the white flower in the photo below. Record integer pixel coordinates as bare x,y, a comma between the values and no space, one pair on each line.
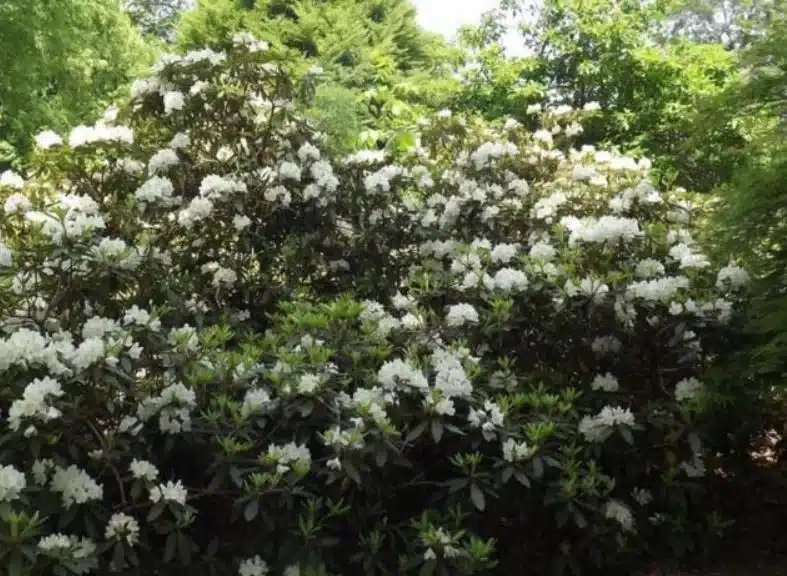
490,151
510,280
47,139
122,527
599,427
17,203
589,287
397,373
173,407
659,290
169,492
224,277
308,152
504,253
649,268
255,566
514,451
460,314
140,317
179,141
582,173
250,42
156,189
240,222
6,256
733,276
607,229
543,136
289,456
687,257
574,129
542,251
308,383
255,400
214,187
111,114
289,171
84,135
162,160
606,382
173,100
642,496
561,110
142,469
198,209
380,181
36,402
688,389
57,544
12,482
11,179
75,486
546,207
40,470
619,512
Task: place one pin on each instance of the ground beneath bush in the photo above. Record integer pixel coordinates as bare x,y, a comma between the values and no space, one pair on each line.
756,498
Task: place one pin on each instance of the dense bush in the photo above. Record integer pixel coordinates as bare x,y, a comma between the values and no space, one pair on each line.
227,353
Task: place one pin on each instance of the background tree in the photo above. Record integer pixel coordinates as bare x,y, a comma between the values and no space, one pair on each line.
157,17
605,51
69,57
750,222
732,23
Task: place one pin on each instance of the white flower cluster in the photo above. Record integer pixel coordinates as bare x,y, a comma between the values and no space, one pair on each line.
75,486
460,314
606,382
289,457
35,403
12,483
173,407
607,229
688,389
488,419
86,135
169,492
600,427
11,179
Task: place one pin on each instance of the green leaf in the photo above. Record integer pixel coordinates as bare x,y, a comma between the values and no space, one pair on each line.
155,512
428,568
118,559
538,467
169,547
626,434
506,474
352,471
437,431
477,497
15,565
251,510
184,547
415,433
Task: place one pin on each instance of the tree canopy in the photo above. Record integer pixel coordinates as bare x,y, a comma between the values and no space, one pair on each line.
69,58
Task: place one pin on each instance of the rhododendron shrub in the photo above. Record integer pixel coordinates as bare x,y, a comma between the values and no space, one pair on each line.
227,352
